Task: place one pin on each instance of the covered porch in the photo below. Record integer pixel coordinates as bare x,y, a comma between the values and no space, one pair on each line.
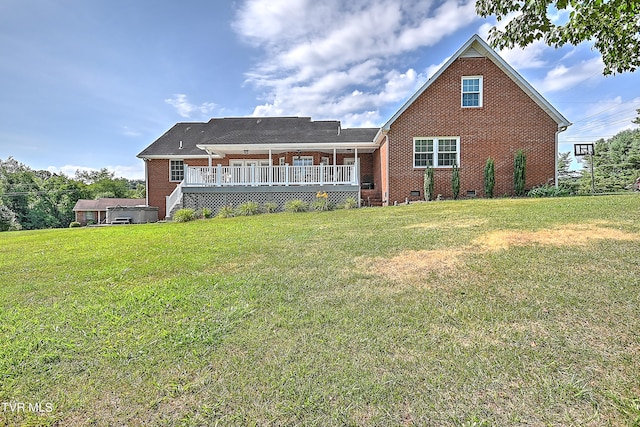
234,173
217,186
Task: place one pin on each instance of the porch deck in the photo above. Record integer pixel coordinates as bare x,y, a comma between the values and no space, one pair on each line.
222,185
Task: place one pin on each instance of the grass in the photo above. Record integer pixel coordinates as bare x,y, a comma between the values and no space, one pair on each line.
468,313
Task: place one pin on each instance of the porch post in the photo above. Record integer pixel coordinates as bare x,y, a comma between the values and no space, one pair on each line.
270,169
357,167
335,167
357,177
219,175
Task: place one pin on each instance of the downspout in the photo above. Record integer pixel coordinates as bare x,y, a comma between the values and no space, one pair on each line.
357,173
560,129
146,180
556,158
386,172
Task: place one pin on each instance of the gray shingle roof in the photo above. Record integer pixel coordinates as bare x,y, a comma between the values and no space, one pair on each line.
103,204
253,130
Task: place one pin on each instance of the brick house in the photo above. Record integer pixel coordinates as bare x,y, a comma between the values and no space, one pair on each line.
475,107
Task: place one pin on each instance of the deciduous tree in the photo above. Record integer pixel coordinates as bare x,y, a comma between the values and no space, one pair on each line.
612,25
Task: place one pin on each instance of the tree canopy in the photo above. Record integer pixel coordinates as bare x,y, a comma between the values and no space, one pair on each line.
31,199
616,163
613,26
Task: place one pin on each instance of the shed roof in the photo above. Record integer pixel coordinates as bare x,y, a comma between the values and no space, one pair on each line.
104,203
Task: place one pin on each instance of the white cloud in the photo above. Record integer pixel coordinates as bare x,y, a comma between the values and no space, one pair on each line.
186,109
129,172
127,131
564,77
342,60
434,68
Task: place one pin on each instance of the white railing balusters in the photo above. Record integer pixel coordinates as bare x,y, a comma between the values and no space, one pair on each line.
223,176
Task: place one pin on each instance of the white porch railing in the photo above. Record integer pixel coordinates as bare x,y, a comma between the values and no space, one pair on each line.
224,176
173,199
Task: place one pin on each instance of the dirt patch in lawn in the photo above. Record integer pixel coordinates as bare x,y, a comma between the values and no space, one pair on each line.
567,235
418,267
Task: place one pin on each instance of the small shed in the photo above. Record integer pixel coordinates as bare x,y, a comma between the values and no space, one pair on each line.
95,211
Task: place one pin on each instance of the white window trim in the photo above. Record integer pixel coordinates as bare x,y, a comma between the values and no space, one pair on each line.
435,151
480,96
303,158
349,161
170,169
248,162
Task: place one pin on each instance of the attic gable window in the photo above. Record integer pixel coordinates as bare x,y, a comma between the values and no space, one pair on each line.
436,152
472,91
176,170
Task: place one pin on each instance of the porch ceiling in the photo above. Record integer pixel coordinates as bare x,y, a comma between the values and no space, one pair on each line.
220,150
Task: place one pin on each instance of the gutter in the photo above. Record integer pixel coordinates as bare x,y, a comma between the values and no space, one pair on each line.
561,128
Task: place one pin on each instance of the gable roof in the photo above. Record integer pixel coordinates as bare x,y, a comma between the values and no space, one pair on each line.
190,139
475,46
103,204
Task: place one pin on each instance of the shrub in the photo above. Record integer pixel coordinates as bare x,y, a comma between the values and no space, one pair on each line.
296,206
519,173
489,177
226,212
322,202
184,215
8,220
270,207
548,191
428,183
322,205
350,203
455,180
205,213
75,224
248,209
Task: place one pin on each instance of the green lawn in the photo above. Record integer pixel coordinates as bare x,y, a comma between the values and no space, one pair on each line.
512,312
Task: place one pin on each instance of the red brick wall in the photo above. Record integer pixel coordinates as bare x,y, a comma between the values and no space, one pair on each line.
508,120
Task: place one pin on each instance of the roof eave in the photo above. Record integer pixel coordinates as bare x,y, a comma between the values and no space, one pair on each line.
290,146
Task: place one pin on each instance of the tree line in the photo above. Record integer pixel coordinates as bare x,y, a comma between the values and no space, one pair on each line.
35,199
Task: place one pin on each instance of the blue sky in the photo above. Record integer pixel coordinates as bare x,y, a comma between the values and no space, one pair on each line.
89,84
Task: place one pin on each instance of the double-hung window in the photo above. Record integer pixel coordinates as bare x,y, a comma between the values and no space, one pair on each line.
176,170
436,152
472,91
